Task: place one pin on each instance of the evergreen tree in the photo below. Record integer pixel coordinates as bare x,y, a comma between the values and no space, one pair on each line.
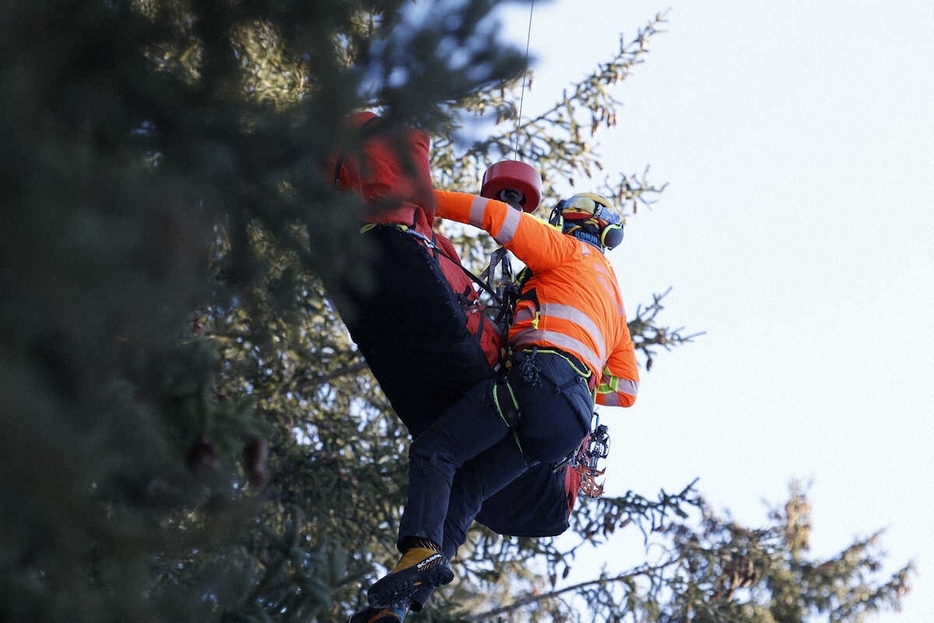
188,431
703,567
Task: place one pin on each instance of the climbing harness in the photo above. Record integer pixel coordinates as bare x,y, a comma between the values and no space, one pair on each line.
432,244
506,403
503,289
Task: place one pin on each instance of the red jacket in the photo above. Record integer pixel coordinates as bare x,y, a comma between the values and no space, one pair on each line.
390,173
393,178
572,300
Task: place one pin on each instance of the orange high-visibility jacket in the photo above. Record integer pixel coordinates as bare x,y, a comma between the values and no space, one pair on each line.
572,300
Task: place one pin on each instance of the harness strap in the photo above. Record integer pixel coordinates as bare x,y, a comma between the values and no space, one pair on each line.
428,242
583,371
506,292
506,403
507,406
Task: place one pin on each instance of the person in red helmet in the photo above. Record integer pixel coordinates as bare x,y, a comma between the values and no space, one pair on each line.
569,346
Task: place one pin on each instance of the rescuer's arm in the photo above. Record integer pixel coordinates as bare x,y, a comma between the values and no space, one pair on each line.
535,242
619,385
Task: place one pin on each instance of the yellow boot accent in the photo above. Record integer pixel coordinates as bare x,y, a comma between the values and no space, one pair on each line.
419,566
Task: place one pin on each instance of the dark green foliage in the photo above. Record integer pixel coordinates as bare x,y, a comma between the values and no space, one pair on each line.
188,434
162,209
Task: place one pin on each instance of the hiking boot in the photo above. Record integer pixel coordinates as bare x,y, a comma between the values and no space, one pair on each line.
392,614
420,567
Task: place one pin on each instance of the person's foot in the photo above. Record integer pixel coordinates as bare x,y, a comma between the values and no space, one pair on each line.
393,614
419,567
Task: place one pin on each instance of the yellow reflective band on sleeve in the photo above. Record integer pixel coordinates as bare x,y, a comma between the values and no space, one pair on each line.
610,384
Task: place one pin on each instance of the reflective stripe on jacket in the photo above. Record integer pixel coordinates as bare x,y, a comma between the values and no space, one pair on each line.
572,300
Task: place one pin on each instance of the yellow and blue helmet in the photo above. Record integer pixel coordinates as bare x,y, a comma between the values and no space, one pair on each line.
591,218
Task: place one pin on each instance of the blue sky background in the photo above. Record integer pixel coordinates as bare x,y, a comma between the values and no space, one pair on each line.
797,231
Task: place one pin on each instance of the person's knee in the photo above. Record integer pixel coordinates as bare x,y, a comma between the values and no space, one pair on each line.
423,454
433,451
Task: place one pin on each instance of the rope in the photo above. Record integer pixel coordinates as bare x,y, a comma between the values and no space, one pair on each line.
428,242
528,41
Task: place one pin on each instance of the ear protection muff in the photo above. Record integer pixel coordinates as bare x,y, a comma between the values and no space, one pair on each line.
612,234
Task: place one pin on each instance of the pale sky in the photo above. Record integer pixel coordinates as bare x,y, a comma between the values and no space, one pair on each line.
797,230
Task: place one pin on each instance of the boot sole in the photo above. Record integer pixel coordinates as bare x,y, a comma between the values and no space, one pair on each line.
367,616
392,590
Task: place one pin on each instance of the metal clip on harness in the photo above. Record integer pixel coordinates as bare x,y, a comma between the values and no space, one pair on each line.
503,289
592,450
585,460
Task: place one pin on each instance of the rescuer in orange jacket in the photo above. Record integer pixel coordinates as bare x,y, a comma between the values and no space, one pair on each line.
569,345
572,301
